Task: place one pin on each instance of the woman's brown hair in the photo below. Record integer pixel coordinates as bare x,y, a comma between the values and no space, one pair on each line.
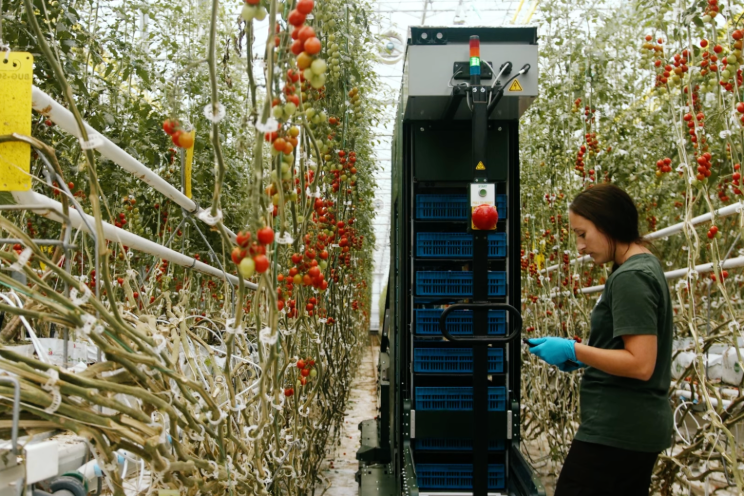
612,211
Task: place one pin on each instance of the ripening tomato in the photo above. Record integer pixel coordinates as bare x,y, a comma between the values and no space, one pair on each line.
312,46
243,238
185,139
237,255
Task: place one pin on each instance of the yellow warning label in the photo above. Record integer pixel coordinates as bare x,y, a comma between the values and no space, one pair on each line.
515,86
480,166
16,77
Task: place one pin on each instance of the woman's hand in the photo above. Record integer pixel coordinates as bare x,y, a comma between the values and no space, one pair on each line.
555,351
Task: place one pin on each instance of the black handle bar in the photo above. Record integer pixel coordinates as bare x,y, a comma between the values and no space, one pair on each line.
481,339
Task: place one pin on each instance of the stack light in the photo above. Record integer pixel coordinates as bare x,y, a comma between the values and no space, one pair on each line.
475,56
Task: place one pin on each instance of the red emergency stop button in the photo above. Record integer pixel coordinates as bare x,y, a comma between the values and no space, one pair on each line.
485,217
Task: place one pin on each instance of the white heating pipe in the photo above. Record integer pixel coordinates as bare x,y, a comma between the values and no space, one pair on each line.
675,274
48,107
687,395
721,212
118,235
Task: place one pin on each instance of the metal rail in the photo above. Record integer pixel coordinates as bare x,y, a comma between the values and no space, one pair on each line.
47,106
30,200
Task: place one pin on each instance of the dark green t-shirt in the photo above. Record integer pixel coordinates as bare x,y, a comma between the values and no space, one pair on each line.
620,411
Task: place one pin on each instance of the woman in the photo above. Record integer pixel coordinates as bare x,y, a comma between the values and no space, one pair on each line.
626,417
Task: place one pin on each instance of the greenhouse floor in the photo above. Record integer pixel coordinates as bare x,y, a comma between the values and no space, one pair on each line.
341,464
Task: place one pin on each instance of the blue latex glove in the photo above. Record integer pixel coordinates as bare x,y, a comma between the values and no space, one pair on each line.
554,351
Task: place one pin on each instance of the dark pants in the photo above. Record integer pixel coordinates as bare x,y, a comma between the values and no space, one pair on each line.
597,470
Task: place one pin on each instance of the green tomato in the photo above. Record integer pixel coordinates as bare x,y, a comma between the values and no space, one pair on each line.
300,218
319,66
293,195
275,199
323,116
731,59
278,112
726,74
285,167
313,372
343,177
248,12
310,113
323,264
247,267
273,176
318,81
287,175
290,108
261,13
308,73
316,119
288,158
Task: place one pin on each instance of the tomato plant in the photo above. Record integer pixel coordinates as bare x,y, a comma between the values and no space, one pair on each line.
265,164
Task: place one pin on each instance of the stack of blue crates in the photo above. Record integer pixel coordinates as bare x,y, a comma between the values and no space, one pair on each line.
434,359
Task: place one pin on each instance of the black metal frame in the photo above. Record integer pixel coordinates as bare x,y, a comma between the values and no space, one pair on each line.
401,300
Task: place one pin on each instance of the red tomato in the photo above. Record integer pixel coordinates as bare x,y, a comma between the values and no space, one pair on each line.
305,6
296,18
305,33
170,126
262,263
266,235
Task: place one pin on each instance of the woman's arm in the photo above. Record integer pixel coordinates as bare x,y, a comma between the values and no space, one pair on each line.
637,360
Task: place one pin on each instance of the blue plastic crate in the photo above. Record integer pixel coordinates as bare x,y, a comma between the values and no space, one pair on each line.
454,444
501,206
456,283
454,360
457,398
457,245
459,322
456,476
450,207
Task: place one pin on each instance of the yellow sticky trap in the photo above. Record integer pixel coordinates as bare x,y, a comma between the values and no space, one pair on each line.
540,261
187,166
16,77
168,492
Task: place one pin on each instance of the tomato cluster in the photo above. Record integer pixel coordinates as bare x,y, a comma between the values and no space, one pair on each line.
251,257
182,138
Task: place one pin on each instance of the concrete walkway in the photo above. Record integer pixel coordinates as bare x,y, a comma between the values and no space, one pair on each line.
342,464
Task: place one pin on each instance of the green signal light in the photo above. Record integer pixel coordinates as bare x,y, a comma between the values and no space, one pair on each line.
475,61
